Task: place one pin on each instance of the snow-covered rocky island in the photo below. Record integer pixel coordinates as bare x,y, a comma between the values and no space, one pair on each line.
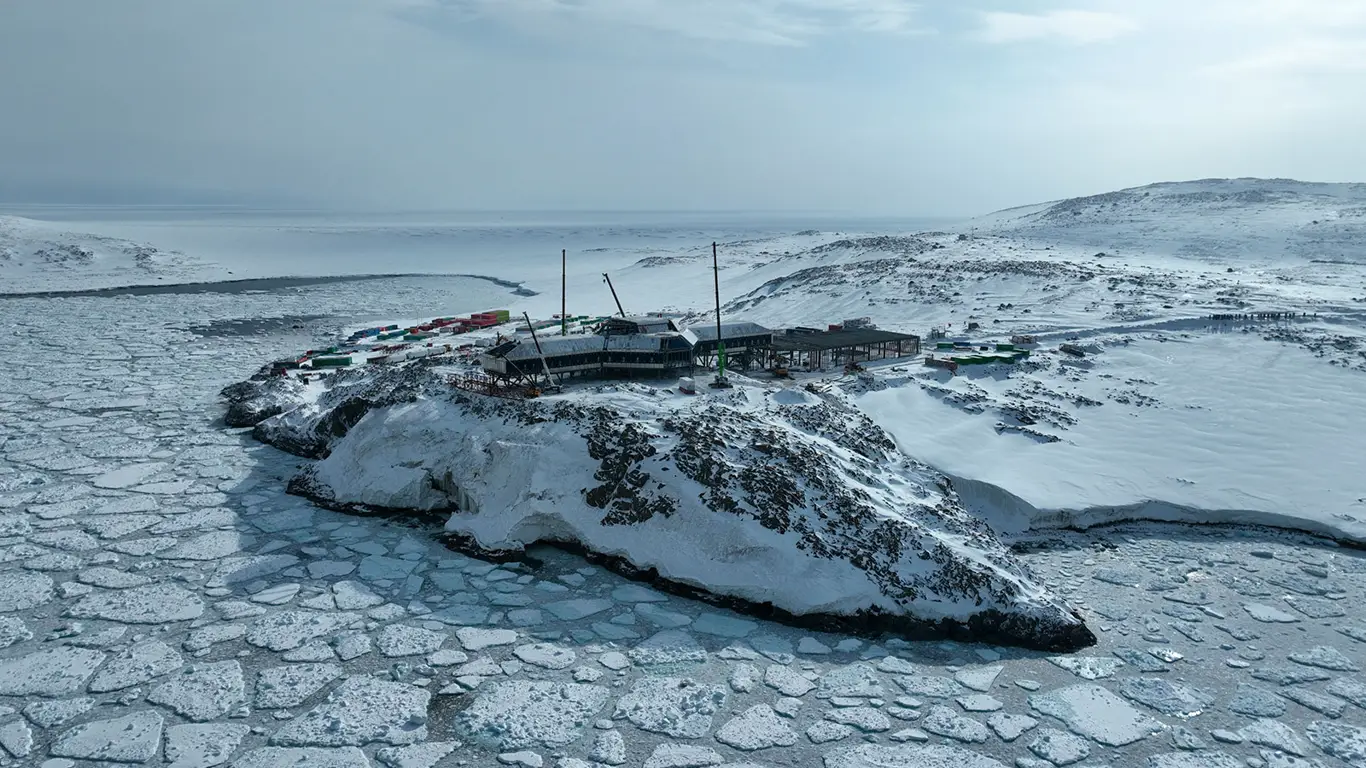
785,499
1170,477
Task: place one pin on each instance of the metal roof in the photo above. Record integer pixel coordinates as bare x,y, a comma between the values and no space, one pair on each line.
557,346
827,340
643,342
644,320
734,330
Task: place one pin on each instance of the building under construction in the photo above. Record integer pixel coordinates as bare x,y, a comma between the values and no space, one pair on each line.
655,346
812,349
626,347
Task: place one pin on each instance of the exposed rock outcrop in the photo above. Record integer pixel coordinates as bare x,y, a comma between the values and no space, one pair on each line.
791,502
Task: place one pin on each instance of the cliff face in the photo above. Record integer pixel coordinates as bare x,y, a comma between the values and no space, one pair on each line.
786,499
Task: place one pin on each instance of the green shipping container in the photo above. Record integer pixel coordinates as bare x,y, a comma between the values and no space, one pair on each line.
331,362
1005,347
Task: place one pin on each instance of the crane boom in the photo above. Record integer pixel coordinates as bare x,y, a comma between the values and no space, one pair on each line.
620,311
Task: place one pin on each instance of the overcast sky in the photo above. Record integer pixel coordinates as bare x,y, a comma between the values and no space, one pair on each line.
942,107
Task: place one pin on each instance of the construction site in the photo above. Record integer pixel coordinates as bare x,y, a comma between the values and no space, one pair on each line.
502,355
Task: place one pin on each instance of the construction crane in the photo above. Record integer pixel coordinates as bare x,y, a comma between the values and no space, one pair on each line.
620,311
533,390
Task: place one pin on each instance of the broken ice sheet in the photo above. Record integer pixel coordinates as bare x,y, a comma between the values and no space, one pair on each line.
530,714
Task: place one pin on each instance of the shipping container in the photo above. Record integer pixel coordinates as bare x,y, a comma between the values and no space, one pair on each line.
331,362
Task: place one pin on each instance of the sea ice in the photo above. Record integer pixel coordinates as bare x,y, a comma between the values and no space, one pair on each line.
13,630
22,590
152,604
1324,705
203,745
1325,657
360,711
674,706
669,647
866,719
787,681
1059,747
978,678
424,755
287,630
309,757
723,625
1195,760
682,756
879,756
1094,712
1341,740
111,578
525,714
634,593
930,685
858,680
1164,696
823,731
758,727
139,664
354,596
475,639
1268,615
1088,667
207,637
47,714
401,640
945,722
134,738
380,568
202,692
1349,689
1276,735
608,748
1256,702
545,655
16,738
53,672
293,684
1010,727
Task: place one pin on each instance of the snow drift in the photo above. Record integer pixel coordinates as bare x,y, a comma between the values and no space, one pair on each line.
37,256
1210,219
787,499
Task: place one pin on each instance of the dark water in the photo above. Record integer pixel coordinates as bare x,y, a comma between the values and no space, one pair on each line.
253,285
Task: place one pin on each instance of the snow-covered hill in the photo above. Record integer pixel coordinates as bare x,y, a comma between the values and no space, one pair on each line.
783,497
1215,220
38,256
1176,416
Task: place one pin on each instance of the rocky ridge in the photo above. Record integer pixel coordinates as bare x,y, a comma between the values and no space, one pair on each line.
734,493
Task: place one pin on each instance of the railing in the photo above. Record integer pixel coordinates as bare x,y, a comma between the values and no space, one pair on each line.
481,384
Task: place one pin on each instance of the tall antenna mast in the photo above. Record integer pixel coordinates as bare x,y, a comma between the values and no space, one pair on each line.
720,382
564,318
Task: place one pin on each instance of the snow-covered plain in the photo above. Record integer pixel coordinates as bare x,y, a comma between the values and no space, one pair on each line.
163,602
40,256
